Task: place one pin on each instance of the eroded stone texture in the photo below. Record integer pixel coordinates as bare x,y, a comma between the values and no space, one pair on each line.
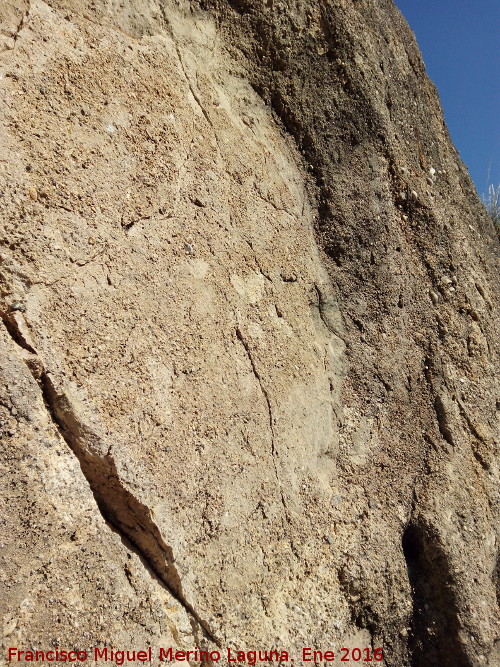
248,355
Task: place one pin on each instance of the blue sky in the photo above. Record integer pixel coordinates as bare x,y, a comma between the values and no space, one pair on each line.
460,44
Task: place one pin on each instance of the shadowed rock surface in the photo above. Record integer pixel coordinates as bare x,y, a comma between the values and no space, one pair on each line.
250,336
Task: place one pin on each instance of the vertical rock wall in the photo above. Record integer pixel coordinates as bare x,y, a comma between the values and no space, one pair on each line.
249,299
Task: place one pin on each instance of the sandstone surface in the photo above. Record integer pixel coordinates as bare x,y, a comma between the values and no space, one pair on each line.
249,352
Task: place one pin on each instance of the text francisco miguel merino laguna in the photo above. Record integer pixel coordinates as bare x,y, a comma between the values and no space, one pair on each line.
120,657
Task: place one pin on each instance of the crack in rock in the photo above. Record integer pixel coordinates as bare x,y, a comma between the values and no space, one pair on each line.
130,517
15,35
265,393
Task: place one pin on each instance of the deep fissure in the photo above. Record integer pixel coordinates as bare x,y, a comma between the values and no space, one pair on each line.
434,635
125,513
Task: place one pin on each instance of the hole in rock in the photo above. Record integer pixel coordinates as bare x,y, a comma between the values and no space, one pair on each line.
433,639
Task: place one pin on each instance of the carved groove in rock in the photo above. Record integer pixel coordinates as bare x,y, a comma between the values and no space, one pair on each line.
265,393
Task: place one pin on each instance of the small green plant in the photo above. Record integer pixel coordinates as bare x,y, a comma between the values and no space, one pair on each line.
492,203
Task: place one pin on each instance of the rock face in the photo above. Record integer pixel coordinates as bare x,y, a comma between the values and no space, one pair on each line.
248,360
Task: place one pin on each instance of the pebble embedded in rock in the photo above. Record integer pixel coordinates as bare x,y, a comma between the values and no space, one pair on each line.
336,500
401,197
18,306
434,297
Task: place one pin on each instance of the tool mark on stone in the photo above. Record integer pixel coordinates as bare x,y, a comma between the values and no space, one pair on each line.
197,97
321,309
268,200
192,90
118,506
473,429
443,420
265,393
